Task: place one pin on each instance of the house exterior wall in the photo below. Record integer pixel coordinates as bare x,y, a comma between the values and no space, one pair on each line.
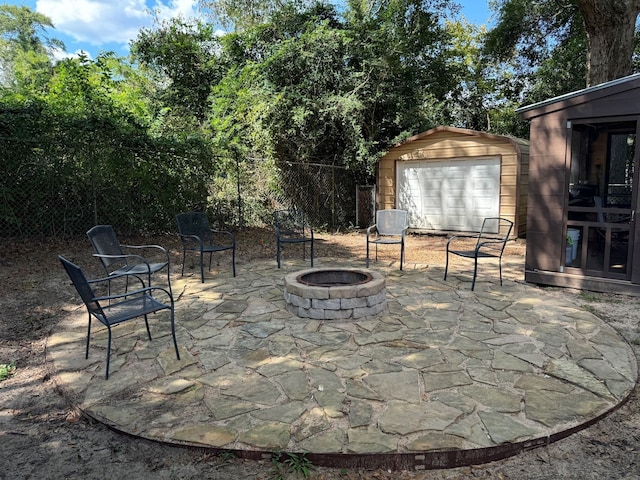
446,143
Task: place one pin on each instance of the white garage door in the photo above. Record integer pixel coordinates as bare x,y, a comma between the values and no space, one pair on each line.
449,194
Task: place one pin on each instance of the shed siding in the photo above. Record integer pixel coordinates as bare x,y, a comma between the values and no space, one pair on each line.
547,189
548,177
445,144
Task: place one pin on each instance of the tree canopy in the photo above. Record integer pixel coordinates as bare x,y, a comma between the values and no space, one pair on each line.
293,92
590,41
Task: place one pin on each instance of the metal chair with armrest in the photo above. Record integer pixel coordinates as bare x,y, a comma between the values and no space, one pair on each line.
490,243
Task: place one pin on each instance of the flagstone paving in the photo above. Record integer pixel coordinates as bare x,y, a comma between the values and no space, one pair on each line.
445,377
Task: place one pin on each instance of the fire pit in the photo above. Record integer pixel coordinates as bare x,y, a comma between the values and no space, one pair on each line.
335,293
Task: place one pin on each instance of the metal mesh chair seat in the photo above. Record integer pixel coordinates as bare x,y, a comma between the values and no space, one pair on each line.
125,310
138,269
474,253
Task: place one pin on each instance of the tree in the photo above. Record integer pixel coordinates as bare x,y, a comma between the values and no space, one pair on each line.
610,27
534,29
240,15
316,87
181,58
24,43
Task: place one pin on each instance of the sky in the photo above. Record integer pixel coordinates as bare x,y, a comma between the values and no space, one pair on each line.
109,25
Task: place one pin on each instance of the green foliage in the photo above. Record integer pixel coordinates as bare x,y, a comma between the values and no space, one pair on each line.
181,57
588,296
226,457
242,14
294,107
315,88
293,464
80,151
558,47
7,370
24,46
312,87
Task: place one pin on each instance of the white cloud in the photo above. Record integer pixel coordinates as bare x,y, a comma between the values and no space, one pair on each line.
98,22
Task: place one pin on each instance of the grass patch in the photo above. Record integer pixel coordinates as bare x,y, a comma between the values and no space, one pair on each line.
589,296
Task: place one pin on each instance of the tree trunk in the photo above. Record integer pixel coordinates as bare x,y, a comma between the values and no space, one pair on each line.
610,27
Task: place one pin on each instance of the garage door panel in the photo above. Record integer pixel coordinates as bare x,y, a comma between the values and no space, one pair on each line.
449,195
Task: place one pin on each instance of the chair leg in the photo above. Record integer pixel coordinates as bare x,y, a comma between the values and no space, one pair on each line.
108,352
278,253
146,322
201,266
367,253
500,266
446,266
184,257
173,333
233,260
401,254
312,253
475,273
169,278
86,353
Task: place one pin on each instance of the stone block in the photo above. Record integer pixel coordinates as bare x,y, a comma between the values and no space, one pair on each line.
344,291
356,302
315,313
329,304
338,314
377,298
297,301
376,285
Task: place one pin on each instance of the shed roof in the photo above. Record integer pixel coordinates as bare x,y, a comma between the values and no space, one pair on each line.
516,142
579,96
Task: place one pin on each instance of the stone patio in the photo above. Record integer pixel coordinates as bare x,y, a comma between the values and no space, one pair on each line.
445,377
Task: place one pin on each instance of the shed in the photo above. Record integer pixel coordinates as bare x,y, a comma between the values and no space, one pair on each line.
583,189
450,179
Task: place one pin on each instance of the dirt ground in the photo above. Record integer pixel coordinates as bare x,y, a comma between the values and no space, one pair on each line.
43,437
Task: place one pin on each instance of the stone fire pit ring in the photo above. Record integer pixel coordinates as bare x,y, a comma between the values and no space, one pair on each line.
335,293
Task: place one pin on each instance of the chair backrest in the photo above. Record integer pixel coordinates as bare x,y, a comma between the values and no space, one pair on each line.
290,222
391,221
105,242
496,229
82,285
194,223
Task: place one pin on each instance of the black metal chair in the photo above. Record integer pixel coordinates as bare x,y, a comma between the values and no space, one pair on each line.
291,226
490,243
390,229
119,308
197,236
117,263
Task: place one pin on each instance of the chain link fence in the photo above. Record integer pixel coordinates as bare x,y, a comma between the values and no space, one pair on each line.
56,189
